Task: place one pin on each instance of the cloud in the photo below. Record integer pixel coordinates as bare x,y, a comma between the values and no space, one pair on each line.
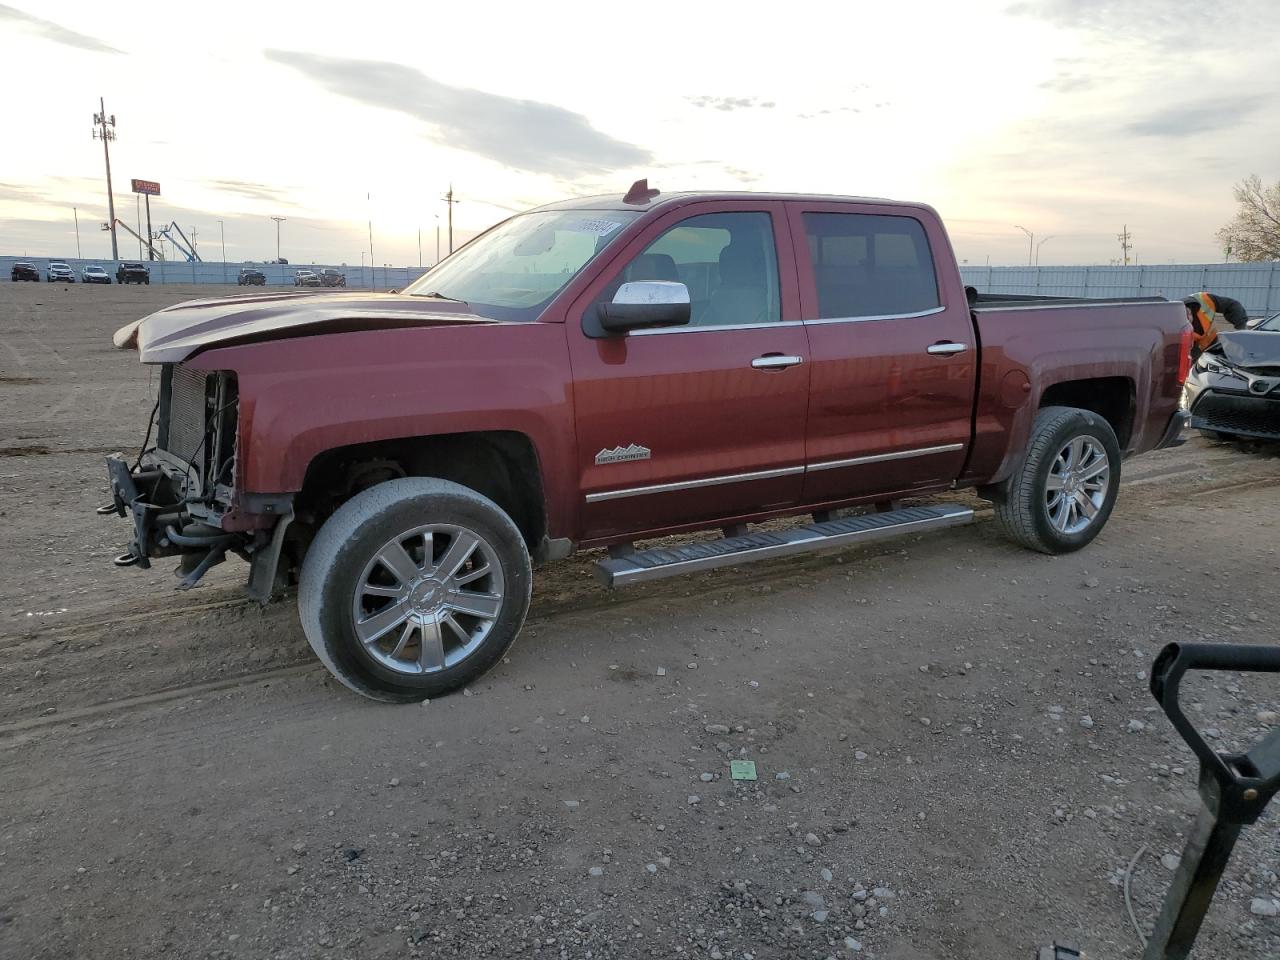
253,191
1192,120
54,32
729,104
1069,83
21,194
521,134
1155,23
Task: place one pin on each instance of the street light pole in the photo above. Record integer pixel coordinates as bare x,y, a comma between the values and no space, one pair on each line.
1043,241
278,220
222,235
1031,240
76,213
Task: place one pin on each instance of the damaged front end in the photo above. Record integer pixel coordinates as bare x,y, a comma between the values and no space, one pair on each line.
1234,388
181,492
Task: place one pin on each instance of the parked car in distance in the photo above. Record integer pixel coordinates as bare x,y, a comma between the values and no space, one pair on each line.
608,370
25,272
306,278
133,273
249,277
1233,391
95,274
60,272
329,277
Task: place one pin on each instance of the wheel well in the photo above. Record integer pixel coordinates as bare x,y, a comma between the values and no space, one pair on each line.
500,465
1111,398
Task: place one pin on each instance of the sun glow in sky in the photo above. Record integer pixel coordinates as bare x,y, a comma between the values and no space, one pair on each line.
1071,118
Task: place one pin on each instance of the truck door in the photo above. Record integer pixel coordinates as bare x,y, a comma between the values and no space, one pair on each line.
681,425
893,362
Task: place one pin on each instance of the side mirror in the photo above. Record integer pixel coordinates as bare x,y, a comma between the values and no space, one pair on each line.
646,303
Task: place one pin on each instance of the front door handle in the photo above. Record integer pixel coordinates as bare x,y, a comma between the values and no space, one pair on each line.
946,348
775,361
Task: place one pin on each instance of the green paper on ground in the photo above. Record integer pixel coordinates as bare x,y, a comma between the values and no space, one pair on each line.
742,769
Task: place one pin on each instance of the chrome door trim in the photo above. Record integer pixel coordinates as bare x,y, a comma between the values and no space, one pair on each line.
767,474
657,331
947,349
881,457
776,362
691,484
885,316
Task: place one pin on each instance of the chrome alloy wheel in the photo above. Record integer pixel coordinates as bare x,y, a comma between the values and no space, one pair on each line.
1077,485
428,598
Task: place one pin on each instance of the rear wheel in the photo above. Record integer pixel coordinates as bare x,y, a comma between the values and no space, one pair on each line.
413,588
1061,495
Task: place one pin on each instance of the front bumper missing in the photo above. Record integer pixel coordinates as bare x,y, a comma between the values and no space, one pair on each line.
126,501
168,528
161,529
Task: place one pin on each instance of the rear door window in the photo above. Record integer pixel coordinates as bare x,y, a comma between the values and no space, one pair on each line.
868,265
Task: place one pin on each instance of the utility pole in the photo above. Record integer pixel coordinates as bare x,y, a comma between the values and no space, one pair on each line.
278,220
76,213
193,239
437,239
222,235
1043,241
104,129
419,246
448,198
1126,242
137,213
1031,242
373,264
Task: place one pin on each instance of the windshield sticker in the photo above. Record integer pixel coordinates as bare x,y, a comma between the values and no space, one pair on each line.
599,228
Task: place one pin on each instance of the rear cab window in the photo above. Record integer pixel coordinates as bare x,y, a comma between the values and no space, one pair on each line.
867,265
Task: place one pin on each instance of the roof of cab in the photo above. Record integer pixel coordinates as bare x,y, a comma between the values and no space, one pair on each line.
616,202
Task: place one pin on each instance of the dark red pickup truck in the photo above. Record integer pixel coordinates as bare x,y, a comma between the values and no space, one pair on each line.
604,371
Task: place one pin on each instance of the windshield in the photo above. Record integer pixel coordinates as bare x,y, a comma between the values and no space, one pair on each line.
513,271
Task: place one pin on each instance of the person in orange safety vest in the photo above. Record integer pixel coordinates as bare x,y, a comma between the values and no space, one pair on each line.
1202,308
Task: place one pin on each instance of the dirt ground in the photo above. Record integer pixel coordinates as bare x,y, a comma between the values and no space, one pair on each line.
957,753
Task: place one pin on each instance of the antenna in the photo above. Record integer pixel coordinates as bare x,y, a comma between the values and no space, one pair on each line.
640,192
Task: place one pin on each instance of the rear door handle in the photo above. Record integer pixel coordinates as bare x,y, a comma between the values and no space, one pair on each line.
946,348
775,361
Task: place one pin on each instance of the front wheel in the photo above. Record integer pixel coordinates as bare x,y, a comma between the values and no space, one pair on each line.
1061,495
413,588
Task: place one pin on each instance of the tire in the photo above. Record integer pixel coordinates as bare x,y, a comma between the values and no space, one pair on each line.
1028,511
342,563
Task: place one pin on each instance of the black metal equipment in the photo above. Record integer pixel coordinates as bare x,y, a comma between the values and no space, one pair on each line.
1235,788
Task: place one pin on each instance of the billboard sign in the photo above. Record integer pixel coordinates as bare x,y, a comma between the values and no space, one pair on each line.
149,187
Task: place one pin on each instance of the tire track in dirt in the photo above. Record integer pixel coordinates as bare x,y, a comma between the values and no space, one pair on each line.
569,594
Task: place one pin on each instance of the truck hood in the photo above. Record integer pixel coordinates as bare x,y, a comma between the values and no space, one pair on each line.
1251,348
175,333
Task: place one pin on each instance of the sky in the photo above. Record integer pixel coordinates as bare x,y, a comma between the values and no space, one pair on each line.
1071,119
